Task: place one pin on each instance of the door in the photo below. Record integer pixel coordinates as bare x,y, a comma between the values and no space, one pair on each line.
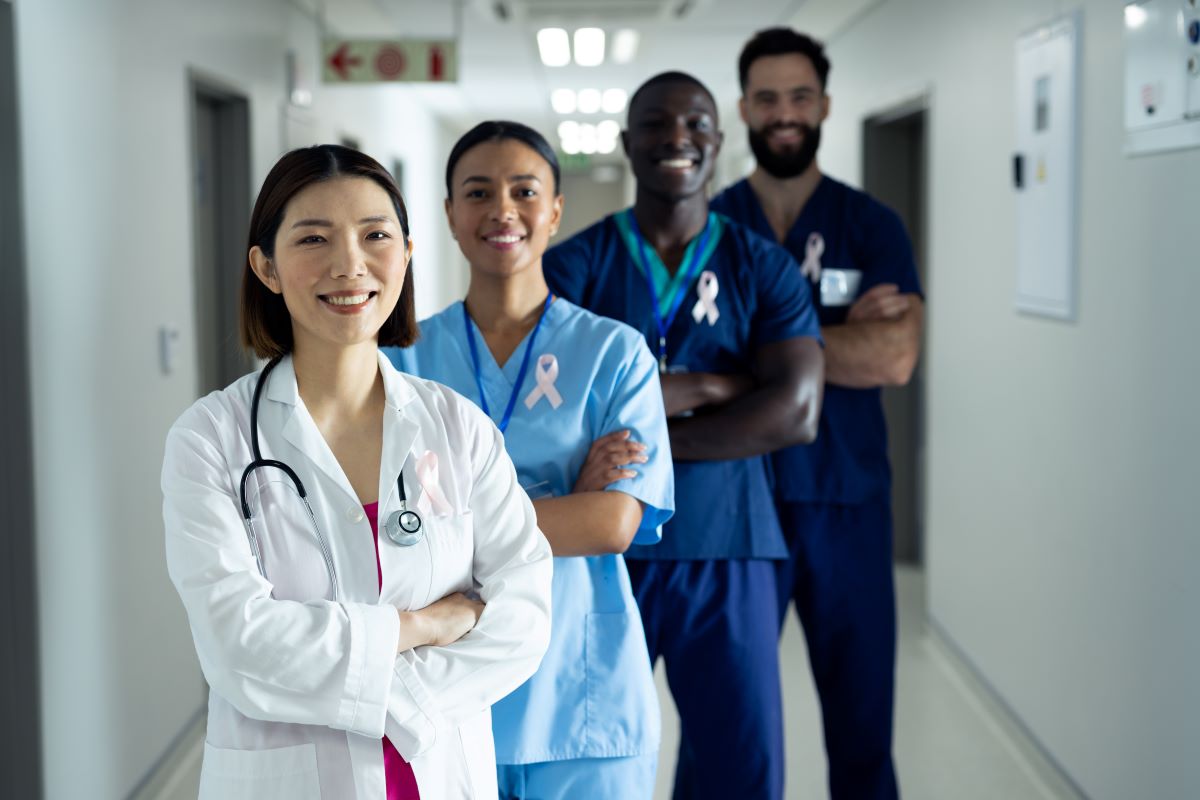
894,172
221,213
20,720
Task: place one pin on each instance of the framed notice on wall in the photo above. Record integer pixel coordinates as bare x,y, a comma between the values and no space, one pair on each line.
1045,169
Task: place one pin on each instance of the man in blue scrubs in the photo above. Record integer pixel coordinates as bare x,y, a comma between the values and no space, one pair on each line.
731,324
834,495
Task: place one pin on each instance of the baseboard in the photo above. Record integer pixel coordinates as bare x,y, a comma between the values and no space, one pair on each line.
1035,759
166,780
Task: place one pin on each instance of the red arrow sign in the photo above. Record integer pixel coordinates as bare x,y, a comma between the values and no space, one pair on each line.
341,63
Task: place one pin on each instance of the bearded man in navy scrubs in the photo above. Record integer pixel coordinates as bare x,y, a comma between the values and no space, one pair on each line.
730,320
835,495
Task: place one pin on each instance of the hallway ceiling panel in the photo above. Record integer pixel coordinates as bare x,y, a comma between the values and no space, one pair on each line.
501,74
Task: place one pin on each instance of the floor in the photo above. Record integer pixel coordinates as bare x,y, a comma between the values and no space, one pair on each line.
951,743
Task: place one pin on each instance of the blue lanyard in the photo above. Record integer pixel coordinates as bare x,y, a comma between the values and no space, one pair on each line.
662,324
512,399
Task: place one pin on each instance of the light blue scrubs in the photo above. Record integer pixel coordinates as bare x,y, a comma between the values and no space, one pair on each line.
593,699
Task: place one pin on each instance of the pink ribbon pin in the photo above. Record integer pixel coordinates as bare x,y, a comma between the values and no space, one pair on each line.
813,250
707,290
432,501
545,375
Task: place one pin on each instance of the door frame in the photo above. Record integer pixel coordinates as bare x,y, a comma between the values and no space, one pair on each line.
20,706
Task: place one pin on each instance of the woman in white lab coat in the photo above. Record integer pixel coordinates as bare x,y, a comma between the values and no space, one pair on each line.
347,659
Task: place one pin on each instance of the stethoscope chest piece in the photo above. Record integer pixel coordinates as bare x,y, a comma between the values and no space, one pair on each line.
404,527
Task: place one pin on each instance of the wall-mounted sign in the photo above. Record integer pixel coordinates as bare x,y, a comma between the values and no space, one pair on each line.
395,61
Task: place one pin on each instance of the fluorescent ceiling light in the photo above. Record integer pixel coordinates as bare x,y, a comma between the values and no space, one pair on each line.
568,129
589,101
614,101
608,129
1135,16
570,146
554,47
606,146
563,101
589,47
588,146
624,46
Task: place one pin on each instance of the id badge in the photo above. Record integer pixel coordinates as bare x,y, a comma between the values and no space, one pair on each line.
839,287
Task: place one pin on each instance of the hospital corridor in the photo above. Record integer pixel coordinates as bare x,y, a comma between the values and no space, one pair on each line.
599,399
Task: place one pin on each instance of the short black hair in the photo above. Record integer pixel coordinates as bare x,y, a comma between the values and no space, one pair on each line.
782,41
498,130
670,77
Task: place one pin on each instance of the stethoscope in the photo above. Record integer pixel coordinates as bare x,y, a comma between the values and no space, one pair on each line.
403,525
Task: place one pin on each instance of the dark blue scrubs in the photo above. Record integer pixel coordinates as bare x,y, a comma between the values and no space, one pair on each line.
834,496
707,592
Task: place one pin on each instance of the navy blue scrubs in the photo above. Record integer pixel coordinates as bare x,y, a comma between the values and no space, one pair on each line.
834,496
707,591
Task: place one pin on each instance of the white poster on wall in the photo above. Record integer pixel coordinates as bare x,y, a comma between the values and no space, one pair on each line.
1045,169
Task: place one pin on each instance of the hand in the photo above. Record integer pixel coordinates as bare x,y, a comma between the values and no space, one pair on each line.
882,302
606,461
447,620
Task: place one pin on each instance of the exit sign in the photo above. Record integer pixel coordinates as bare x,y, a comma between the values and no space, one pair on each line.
389,61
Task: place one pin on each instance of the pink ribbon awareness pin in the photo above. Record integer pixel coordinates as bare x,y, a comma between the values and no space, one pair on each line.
545,375
707,290
432,501
813,250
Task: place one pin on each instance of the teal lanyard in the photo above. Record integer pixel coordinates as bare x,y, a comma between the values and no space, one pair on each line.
664,323
512,399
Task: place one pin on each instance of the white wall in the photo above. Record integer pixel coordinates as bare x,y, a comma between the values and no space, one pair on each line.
1062,536
107,204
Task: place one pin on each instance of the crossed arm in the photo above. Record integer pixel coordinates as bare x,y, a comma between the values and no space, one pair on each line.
777,405
879,342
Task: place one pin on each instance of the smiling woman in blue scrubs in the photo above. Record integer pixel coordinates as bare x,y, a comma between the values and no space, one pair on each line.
578,399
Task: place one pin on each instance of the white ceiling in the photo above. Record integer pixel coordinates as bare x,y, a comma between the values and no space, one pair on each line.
501,75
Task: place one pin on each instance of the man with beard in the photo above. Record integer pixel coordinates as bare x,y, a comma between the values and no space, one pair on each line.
833,496
730,320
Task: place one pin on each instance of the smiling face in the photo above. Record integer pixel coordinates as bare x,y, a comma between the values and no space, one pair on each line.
339,262
783,106
503,206
672,140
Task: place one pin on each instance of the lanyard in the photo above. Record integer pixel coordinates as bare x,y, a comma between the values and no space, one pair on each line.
512,399
663,324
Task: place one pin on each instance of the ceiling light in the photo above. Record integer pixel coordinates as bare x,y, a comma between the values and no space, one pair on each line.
588,146
606,146
554,47
563,101
589,47
1135,16
568,129
614,101
589,101
570,146
624,46
608,129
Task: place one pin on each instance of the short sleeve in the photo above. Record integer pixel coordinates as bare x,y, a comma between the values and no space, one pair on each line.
636,404
784,301
886,252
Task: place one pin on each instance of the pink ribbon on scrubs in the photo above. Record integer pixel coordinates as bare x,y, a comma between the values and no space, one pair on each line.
707,290
545,375
813,250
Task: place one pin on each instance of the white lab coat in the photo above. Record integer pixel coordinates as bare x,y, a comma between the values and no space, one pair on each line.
303,687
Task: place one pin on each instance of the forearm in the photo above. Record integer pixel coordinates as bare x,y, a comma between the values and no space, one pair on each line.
782,410
862,355
589,523
759,422
690,391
